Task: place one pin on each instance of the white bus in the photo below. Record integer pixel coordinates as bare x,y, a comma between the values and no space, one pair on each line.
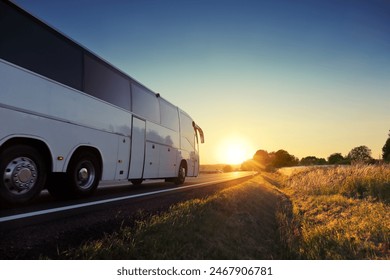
69,119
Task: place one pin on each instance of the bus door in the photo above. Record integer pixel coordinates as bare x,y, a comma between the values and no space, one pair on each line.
137,152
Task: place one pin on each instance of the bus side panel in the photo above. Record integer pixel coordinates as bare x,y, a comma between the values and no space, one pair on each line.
161,151
188,155
123,160
168,166
45,97
137,156
63,139
64,119
161,135
152,160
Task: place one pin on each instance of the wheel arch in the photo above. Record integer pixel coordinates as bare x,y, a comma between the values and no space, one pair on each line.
185,164
87,149
36,143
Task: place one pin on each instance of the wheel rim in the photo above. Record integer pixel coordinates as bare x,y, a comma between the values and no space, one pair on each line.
85,175
20,175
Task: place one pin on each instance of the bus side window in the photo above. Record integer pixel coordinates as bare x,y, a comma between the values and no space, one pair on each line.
169,115
145,103
36,47
106,83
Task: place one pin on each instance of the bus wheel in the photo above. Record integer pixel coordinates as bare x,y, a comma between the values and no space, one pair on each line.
23,174
84,174
136,182
181,177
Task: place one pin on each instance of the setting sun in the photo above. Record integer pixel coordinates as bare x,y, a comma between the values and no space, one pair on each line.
234,151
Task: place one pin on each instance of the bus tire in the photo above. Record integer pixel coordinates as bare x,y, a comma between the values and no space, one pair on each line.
181,177
83,174
136,182
22,174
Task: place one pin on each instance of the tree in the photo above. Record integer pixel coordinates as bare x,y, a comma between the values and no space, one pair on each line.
262,159
227,168
283,159
312,160
386,150
336,158
361,154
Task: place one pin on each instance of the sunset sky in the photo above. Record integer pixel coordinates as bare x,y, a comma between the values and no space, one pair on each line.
310,77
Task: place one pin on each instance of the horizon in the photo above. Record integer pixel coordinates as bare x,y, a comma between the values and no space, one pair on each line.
307,77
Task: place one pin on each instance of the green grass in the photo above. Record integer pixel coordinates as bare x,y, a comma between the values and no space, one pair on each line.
236,223
337,213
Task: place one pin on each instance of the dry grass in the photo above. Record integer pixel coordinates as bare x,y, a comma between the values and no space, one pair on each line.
357,181
236,223
323,213
338,213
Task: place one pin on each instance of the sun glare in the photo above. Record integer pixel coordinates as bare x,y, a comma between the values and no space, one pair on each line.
234,151
235,155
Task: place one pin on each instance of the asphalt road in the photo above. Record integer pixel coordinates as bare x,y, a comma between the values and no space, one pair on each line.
44,225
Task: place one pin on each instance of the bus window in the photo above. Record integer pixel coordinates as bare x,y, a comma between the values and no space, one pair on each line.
36,47
145,103
105,83
169,115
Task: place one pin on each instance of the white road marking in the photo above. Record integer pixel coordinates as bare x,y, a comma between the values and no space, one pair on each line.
87,204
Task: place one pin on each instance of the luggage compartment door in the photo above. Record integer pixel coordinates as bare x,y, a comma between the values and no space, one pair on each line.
137,152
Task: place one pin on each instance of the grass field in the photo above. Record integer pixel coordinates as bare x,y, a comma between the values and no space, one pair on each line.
316,213
337,212
236,223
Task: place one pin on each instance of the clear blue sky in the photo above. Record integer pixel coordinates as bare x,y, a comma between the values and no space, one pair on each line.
310,77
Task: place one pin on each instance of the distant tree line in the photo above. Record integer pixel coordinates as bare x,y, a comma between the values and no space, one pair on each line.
263,160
